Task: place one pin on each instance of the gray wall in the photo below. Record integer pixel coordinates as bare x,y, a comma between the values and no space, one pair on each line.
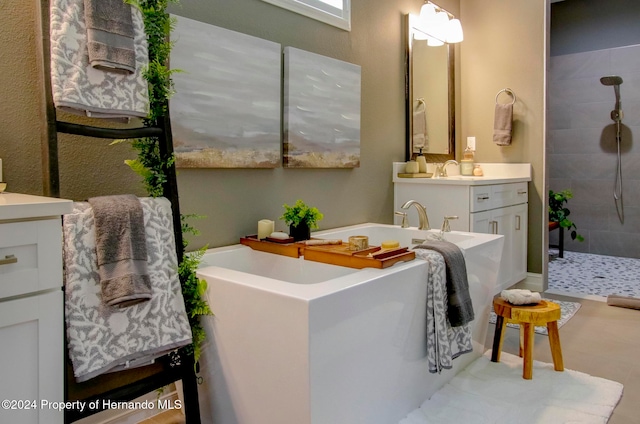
581,147
587,25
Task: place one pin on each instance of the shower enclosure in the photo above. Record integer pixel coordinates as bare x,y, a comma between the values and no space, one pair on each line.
590,147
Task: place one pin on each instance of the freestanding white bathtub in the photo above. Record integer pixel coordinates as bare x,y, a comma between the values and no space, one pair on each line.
300,342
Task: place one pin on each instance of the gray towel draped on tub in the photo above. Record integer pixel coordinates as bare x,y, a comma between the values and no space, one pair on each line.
444,342
460,308
121,249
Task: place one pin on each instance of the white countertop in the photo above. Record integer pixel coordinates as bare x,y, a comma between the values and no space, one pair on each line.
21,206
494,173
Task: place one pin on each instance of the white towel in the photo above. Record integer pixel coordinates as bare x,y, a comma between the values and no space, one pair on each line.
81,89
520,296
103,338
420,135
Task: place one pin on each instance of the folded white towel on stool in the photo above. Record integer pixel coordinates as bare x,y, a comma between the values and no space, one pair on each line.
520,296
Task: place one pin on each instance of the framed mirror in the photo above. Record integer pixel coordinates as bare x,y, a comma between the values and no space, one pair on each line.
430,95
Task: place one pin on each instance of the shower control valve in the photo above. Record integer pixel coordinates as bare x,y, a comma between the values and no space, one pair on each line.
617,115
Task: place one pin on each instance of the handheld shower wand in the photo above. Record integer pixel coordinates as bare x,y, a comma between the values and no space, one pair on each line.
616,116
615,81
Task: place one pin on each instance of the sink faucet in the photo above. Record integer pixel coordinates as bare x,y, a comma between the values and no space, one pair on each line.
422,214
442,170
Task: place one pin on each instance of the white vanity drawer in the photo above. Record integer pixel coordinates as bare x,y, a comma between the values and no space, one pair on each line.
483,198
30,256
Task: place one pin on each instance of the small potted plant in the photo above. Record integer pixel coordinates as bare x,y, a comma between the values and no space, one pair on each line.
559,213
301,219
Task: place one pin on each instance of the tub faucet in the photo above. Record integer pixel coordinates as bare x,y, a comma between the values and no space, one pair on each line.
422,214
446,228
442,170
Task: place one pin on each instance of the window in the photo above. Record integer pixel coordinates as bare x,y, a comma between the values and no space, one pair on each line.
332,12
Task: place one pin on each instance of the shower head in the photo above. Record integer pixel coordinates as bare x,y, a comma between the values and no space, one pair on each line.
615,81
611,80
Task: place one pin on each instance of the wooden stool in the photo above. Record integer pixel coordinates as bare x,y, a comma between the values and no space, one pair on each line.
528,316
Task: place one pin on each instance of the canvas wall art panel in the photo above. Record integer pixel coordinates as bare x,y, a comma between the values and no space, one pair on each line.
226,109
321,111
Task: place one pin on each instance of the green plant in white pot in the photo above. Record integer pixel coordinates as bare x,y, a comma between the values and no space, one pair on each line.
301,219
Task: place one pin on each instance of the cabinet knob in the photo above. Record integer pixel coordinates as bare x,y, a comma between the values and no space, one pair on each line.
483,197
517,222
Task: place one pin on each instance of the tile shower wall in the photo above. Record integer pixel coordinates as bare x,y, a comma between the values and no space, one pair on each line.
581,147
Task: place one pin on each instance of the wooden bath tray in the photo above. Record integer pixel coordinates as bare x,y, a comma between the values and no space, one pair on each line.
293,250
341,255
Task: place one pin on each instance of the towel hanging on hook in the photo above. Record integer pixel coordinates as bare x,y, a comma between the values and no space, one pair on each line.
420,136
508,91
502,123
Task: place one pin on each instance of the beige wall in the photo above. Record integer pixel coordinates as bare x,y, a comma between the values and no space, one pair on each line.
504,46
234,200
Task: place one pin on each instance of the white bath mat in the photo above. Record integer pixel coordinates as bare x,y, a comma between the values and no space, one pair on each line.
487,392
567,310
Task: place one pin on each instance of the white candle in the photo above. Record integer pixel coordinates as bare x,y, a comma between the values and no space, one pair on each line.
265,228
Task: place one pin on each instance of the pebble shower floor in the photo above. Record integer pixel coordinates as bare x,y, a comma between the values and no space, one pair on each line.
598,275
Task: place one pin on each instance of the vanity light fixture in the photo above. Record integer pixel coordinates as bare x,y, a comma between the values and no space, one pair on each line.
441,25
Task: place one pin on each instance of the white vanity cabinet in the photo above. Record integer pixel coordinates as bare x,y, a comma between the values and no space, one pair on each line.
502,209
31,308
496,203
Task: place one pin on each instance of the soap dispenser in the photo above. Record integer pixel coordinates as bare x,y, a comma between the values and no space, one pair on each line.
422,162
466,164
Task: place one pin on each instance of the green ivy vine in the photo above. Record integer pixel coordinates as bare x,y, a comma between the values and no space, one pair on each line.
153,169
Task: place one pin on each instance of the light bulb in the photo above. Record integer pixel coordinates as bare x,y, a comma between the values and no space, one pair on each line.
427,12
438,27
454,31
434,42
419,35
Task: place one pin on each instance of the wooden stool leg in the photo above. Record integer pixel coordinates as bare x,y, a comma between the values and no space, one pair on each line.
498,337
554,343
527,372
521,344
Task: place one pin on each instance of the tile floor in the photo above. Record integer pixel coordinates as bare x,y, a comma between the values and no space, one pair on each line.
593,275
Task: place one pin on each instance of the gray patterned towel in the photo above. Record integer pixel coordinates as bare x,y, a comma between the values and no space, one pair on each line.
121,249
110,35
444,342
80,88
102,338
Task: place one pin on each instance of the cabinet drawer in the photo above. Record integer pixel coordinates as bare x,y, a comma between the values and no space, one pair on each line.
483,198
30,256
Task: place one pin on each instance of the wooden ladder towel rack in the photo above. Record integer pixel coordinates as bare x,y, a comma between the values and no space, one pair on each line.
125,385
